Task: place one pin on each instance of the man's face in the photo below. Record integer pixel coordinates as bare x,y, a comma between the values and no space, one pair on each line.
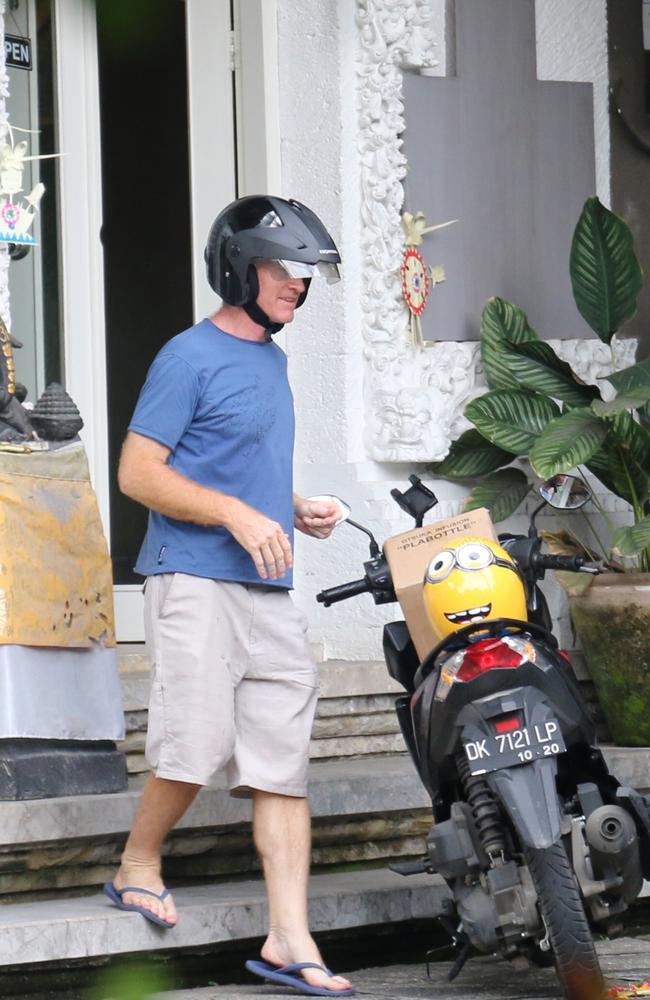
278,294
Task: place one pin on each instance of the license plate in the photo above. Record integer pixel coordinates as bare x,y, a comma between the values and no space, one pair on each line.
517,747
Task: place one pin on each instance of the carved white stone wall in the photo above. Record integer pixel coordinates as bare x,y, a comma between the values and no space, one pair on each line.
413,397
341,155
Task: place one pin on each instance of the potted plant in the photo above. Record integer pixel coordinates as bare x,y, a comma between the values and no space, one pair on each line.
539,410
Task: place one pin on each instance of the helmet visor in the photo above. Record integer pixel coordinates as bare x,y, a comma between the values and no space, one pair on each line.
287,269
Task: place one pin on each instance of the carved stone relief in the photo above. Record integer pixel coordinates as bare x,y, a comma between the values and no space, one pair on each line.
413,397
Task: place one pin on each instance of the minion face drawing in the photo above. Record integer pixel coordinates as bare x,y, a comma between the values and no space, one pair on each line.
472,580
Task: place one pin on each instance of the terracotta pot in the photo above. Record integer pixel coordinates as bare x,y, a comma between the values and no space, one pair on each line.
613,622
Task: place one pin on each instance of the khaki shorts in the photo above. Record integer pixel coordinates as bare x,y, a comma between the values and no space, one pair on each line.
234,684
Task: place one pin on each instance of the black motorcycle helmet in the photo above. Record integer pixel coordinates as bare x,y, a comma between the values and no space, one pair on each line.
263,227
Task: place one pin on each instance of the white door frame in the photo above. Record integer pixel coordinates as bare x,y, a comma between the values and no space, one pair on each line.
211,57
82,259
211,121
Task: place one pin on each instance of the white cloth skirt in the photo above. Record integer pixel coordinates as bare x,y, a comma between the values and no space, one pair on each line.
54,693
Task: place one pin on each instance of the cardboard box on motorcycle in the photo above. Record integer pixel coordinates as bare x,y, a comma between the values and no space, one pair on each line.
410,553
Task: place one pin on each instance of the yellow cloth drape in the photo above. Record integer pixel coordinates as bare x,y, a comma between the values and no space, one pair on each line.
55,572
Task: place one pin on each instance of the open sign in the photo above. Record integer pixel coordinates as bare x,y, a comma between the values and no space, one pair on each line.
18,52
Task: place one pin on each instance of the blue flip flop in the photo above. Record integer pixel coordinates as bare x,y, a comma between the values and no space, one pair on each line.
289,975
115,895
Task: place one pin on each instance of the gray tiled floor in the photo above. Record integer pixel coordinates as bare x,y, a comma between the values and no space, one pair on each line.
623,961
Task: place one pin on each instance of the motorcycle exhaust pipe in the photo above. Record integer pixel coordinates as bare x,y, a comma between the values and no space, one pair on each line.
614,848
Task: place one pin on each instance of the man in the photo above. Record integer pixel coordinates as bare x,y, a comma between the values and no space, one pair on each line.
209,452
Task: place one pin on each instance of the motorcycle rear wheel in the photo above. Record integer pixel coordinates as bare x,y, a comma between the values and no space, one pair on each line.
560,905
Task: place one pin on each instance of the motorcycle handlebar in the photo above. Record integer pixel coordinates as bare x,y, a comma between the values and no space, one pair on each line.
341,593
377,580
572,563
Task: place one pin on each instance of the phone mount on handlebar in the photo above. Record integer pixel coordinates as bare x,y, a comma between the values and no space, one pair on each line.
416,501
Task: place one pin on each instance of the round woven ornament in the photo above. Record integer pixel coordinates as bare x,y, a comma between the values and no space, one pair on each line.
415,281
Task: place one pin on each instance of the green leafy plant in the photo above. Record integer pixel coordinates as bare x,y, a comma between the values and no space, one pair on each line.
538,409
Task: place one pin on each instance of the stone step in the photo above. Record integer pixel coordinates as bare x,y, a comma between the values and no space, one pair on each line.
336,789
89,927
338,678
365,811
355,714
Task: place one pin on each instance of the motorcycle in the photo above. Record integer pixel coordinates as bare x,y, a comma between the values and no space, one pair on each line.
536,840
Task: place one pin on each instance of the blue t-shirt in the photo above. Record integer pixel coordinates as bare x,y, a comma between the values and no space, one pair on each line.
224,408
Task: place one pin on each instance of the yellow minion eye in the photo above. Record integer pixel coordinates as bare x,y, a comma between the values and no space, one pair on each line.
440,566
474,556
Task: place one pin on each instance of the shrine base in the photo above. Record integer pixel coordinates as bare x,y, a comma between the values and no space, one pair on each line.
44,769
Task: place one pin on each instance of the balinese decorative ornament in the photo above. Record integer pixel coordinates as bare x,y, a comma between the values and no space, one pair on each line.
17,213
417,278
55,416
415,281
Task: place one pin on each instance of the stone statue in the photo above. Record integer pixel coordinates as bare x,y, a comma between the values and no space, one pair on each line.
54,418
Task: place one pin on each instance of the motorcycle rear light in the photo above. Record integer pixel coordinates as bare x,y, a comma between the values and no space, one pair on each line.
507,724
506,652
488,654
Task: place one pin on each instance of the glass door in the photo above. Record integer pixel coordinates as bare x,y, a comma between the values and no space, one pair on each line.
34,273
162,86
152,98
146,231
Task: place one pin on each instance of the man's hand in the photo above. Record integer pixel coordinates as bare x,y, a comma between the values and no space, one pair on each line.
317,518
264,539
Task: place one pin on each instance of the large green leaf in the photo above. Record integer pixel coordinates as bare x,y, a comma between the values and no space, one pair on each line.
633,381
643,413
606,464
627,401
568,441
633,443
502,323
471,456
630,541
503,320
501,493
623,462
511,420
605,273
535,365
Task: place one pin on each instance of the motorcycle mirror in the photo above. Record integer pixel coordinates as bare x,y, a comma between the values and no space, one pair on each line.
565,492
344,509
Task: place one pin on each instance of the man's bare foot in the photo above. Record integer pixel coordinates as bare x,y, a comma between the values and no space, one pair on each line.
146,877
278,950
